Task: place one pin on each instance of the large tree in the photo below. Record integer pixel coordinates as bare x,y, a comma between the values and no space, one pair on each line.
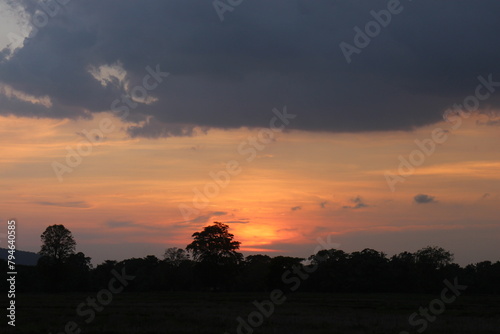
57,243
175,256
434,257
215,245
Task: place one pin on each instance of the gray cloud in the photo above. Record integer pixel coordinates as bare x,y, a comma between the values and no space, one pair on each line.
76,204
114,224
423,199
219,213
265,54
358,204
144,227
237,222
491,122
205,218
152,128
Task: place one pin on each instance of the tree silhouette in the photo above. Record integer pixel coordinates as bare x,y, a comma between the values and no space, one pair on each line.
77,268
58,248
255,272
215,244
368,270
333,270
434,257
332,267
175,256
217,256
58,243
404,272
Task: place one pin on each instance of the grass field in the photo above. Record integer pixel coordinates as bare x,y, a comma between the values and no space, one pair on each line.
217,313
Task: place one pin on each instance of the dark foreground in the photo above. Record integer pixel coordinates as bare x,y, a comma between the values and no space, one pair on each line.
218,313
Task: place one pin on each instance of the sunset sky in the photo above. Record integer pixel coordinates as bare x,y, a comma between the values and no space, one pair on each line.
116,117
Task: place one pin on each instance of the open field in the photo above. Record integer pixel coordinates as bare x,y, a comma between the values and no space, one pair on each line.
217,313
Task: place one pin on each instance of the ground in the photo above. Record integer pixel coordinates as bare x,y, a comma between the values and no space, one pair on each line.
218,312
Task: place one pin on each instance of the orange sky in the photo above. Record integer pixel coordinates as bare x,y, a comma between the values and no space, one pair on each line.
122,199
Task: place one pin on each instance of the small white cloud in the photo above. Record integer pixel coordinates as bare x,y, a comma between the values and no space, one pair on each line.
109,74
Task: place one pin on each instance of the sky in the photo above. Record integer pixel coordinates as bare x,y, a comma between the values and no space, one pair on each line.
137,123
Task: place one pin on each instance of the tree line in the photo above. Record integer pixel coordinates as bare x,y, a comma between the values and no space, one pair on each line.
212,262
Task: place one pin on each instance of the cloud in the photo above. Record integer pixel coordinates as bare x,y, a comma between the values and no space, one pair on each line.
152,128
200,219
204,218
358,204
219,213
76,204
265,54
295,208
321,229
237,222
492,122
423,199
286,230
114,224
492,118
136,226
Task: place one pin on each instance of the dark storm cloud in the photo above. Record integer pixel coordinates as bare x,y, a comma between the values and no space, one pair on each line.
423,199
263,55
